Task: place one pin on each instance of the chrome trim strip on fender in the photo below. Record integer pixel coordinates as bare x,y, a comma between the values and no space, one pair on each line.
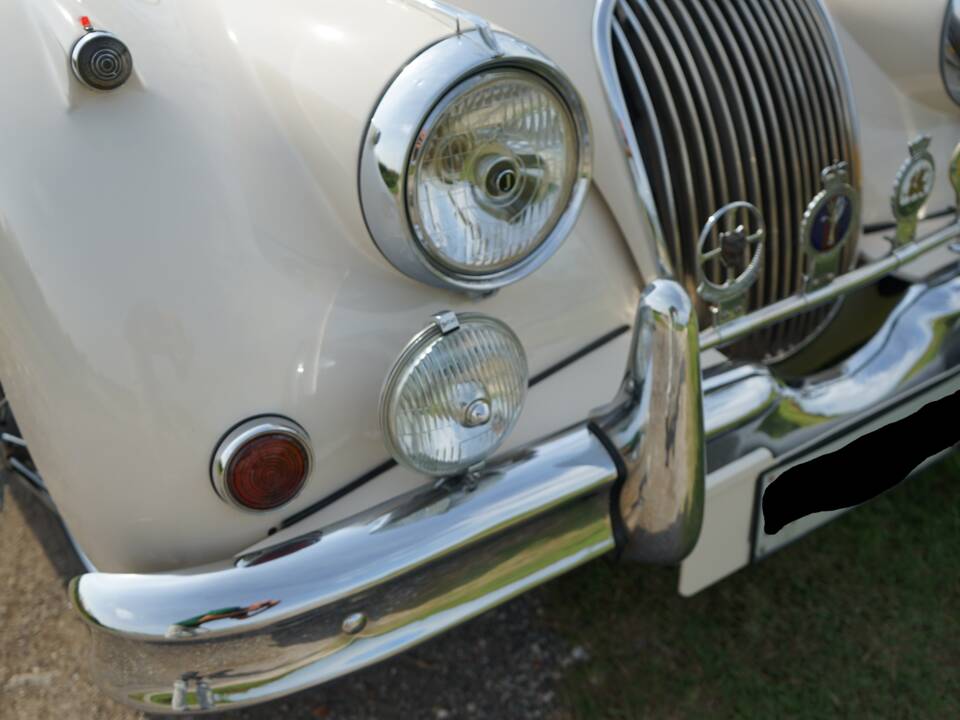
460,17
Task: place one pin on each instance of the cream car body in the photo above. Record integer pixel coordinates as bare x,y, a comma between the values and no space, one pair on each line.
190,251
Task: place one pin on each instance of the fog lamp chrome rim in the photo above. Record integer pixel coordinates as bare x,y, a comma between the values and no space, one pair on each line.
239,438
476,412
399,128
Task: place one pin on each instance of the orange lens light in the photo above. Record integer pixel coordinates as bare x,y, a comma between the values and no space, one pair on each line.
267,472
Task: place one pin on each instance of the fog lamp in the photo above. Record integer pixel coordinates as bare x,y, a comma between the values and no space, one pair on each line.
454,394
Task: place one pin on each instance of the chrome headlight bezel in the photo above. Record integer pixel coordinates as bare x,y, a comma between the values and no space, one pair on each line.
395,132
950,51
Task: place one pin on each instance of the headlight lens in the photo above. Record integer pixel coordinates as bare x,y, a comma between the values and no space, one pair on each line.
476,163
452,398
494,172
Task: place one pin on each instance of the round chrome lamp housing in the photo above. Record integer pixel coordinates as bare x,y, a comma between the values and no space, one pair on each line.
262,464
460,191
454,394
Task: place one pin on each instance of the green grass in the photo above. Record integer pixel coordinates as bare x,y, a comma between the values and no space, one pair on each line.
860,619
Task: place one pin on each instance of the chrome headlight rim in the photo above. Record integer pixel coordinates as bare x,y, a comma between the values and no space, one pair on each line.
443,325
397,126
950,51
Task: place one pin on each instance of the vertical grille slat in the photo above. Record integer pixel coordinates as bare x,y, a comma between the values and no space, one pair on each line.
737,100
649,135
742,82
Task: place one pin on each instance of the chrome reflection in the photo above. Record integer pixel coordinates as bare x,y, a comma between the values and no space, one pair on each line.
657,426
747,407
950,51
843,285
410,568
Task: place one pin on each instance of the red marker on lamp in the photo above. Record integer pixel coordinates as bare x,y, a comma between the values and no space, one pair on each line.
86,24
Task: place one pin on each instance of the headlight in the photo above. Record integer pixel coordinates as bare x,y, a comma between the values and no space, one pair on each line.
476,164
454,394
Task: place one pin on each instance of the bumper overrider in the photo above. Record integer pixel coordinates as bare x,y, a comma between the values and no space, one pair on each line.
631,479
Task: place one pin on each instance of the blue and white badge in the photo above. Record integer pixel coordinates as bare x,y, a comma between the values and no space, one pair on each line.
828,224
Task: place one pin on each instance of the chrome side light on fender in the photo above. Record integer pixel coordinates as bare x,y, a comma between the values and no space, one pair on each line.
476,163
454,394
262,464
950,51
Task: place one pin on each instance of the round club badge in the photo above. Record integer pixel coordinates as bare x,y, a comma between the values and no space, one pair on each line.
828,224
733,237
912,189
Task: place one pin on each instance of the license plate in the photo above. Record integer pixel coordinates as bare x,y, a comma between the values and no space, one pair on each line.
933,410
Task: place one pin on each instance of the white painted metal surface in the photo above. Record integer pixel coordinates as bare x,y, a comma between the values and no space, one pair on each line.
893,52
189,251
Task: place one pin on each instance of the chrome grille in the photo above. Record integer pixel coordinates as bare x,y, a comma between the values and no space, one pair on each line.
736,100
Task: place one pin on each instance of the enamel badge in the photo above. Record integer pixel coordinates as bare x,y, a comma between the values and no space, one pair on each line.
828,224
912,189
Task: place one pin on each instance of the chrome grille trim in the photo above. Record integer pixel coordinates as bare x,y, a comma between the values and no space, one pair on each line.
726,100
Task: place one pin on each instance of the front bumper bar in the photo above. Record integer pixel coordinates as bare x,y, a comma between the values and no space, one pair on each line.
331,602
631,479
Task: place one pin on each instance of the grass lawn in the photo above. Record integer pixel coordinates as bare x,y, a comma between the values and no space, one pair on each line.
859,619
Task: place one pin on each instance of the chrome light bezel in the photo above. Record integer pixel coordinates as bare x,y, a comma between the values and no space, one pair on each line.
397,127
950,51
443,325
237,439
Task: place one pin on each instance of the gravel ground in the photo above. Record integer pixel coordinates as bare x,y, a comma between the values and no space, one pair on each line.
503,665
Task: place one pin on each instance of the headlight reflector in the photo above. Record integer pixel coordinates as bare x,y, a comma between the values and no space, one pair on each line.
494,173
454,394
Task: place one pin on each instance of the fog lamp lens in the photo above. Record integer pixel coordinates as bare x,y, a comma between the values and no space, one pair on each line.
454,394
263,464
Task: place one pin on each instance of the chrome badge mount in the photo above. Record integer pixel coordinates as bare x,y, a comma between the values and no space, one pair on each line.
733,237
828,224
955,182
955,176
912,189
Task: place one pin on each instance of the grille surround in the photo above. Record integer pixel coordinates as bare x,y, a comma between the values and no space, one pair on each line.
719,101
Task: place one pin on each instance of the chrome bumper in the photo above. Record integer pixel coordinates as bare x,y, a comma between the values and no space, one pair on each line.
631,479
328,603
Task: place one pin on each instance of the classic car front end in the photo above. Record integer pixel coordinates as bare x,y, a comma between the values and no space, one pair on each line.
330,326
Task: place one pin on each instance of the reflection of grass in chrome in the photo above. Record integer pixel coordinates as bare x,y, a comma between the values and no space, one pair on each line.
787,418
860,619
469,581
934,348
